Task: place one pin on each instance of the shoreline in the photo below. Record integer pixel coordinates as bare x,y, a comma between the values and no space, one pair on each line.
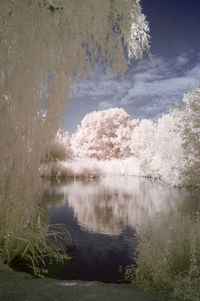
18,286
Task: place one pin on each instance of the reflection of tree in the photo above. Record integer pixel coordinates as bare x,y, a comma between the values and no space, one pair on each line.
109,205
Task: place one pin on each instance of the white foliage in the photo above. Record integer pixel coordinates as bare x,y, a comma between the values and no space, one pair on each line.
168,150
142,145
104,135
189,127
138,36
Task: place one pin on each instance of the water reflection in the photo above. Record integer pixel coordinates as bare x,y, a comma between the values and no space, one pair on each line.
103,216
108,205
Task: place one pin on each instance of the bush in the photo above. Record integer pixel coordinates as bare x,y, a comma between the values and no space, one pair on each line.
168,256
59,149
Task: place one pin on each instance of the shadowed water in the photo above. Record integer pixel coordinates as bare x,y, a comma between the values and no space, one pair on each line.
103,217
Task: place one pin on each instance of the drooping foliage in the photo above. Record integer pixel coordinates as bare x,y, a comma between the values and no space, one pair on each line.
45,46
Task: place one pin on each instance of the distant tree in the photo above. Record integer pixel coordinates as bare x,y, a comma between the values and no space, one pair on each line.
189,128
167,148
123,138
177,142
104,135
142,144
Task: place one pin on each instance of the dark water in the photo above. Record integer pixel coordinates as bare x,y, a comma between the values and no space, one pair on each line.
102,217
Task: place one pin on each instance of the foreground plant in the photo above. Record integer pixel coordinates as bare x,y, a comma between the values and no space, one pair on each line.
26,240
168,257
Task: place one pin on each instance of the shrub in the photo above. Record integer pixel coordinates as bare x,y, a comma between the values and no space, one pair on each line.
168,256
60,148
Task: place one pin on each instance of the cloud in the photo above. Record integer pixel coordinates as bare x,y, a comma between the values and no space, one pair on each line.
151,91
182,60
104,105
152,85
145,92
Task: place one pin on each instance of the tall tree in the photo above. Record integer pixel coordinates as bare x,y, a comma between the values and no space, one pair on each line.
45,46
104,135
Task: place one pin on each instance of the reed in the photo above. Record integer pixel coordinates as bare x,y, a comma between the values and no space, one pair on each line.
25,237
71,169
168,256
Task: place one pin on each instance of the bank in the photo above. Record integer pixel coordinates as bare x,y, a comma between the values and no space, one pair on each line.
19,286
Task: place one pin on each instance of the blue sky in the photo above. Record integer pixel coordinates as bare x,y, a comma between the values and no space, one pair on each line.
148,92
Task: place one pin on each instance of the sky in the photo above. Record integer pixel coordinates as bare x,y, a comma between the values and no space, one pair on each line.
146,91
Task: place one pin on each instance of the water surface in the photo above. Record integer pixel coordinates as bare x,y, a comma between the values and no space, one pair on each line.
103,217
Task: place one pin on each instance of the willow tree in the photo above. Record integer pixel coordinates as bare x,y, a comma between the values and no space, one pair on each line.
45,46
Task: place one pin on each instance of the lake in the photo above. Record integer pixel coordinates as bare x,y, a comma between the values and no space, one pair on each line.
103,217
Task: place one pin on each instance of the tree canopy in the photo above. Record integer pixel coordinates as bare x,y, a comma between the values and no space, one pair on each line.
104,135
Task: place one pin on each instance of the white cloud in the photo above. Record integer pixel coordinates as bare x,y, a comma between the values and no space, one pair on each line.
155,90
182,60
104,105
166,86
146,92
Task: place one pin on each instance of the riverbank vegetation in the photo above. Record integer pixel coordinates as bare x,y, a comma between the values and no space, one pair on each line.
168,257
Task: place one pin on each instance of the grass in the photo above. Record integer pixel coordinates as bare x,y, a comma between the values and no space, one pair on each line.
168,256
25,237
74,169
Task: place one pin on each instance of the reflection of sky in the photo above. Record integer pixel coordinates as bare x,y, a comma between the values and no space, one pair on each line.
148,92
105,207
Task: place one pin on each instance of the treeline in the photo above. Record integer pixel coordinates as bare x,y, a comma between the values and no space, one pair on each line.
168,149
